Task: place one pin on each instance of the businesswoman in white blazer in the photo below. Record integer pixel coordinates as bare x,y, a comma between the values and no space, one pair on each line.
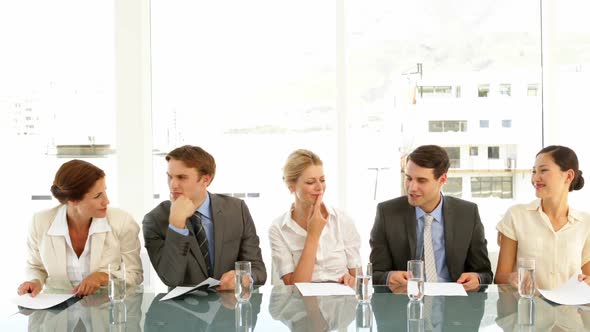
70,246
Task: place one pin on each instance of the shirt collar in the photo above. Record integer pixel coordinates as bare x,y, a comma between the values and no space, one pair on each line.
205,208
572,216
59,226
436,213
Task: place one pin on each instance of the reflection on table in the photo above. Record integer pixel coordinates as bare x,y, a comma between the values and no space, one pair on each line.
493,308
91,313
439,313
310,313
195,312
516,313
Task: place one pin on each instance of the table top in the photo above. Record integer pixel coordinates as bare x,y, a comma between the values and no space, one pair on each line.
282,308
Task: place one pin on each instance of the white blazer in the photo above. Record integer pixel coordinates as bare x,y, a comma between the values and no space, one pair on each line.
46,254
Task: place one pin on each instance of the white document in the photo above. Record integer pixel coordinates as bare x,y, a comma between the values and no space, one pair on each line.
573,292
210,282
41,301
444,289
323,289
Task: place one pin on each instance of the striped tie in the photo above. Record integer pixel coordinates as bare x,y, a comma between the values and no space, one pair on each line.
201,239
429,264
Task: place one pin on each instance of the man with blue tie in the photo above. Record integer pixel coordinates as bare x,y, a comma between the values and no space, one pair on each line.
197,234
444,231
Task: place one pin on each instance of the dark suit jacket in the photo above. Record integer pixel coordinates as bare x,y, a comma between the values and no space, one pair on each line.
177,258
393,239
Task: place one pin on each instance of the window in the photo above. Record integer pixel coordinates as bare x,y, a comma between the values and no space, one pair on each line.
434,91
505,90
532,90
473,151
447,126
58,88
491,186
483,90
454,187
493,152
506,123
484,123
454,156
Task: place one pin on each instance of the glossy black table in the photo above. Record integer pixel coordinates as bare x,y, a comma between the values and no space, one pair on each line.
282,308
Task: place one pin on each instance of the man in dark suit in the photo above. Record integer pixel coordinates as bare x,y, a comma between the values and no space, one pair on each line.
458,247
196,234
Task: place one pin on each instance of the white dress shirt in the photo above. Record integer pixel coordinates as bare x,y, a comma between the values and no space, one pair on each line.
338,248
558,255
78,268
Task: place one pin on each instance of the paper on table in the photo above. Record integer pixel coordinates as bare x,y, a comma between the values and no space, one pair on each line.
323,289
41,301
573,292
210,282
444,289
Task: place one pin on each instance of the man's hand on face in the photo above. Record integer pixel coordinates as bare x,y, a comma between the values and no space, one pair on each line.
180,210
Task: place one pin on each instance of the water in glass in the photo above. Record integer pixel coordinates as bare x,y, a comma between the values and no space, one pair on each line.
363,288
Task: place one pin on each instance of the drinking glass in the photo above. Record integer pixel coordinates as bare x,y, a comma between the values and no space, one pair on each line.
526,277
244,282
415,280
364,284
117,282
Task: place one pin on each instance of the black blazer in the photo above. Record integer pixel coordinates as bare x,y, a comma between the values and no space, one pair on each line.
393,239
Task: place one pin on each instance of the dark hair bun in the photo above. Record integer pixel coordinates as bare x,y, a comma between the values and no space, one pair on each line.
58,194
578,181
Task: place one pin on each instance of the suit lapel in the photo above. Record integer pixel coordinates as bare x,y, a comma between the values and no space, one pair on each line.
59,257
219,224
96,247
449,216
411,229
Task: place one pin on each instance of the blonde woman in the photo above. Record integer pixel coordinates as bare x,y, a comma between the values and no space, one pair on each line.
312,242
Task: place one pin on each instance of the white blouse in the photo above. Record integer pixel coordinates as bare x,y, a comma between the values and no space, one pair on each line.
558,255
338,248
78,268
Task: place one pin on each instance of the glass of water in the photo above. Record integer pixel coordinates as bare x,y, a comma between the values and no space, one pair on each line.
244,282
415,280
117,282
526,277
364,284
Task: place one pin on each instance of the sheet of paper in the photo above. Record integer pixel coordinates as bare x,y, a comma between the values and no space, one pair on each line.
180,290
444,289
323,289
573,292
41,301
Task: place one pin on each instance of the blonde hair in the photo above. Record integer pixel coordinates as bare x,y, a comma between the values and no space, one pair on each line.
297,162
